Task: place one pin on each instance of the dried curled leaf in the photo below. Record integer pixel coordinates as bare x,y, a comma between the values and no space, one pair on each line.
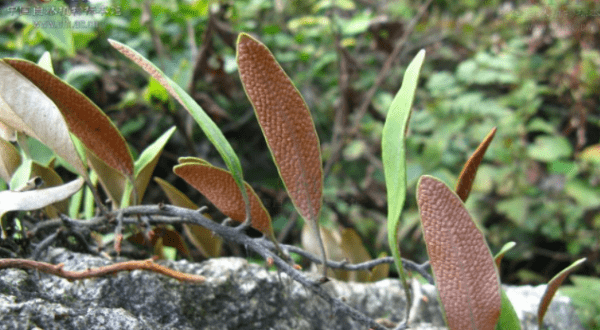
36,199
25,108
467,175
83,117
220,188
286,124
463,266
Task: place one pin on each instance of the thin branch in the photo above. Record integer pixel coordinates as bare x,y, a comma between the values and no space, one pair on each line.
172,215
58,270
422,269
44,244
256,245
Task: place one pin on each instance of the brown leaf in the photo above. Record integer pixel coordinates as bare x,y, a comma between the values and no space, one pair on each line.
111,179
169,237
286,123
220,188
381,271
467,176
355,252
553,285
332,243
25,108
203,239
463,266
84,118
51,179
10,159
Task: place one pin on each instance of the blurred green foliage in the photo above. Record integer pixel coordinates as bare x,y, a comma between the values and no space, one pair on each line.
530,68
584,293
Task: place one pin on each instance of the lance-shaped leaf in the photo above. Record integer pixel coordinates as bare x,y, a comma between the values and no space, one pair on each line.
498,257
551,288
10,159
220,188
209,128
36,199
463,266
286,124
146,162
111,179
84,118
25,108
393,154
467,175
203,239
508,316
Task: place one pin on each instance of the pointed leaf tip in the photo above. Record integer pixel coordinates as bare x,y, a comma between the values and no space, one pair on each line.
286,124
207,125
393,154
220,188
467,175
551,288
464,269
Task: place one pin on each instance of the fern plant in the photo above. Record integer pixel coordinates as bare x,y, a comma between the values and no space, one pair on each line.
466,273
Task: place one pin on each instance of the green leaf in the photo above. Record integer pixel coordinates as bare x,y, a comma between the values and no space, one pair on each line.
508,317
584,295
151,153
516,209
45,62
146,162
498,257
394,156
56,28
209,128
550,148
21,174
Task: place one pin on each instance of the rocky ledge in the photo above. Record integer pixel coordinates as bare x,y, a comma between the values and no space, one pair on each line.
236,295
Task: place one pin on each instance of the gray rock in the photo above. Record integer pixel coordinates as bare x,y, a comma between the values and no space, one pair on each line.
236,295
